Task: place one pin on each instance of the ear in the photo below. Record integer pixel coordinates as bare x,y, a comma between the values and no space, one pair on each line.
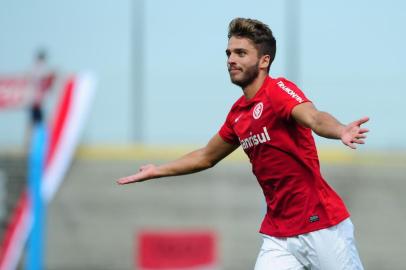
264,61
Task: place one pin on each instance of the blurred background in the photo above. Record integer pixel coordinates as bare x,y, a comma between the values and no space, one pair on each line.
163,89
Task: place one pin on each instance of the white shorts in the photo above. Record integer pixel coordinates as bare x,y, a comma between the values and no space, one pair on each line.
327,249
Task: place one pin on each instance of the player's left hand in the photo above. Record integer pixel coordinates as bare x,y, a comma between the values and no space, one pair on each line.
353,133
145,172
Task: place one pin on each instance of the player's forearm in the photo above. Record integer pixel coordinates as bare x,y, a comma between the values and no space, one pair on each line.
190,163
325,125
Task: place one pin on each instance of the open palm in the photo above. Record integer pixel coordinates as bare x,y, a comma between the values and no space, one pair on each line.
354,134
146,172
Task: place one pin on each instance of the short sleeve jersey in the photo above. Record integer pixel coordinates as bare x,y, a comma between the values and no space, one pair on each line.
284,160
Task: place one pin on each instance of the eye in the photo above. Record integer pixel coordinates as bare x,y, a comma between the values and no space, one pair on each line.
241,52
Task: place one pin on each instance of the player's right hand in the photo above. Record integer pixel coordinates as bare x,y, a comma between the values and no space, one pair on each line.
146,172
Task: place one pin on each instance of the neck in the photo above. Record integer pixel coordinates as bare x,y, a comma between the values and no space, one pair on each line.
251,89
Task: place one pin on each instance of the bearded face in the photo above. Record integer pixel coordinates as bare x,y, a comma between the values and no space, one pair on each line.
244,76
242,62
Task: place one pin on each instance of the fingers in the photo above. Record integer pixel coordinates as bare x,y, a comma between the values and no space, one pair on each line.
126,180
354,134
360,136
145,172
363,130
131,179
357,141
361,121
350,145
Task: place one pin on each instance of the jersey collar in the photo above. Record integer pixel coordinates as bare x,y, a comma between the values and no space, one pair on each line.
248,102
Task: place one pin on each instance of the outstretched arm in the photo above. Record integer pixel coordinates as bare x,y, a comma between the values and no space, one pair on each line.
195,161
325,125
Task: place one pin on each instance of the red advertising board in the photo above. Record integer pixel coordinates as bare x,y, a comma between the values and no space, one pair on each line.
176,250
14,92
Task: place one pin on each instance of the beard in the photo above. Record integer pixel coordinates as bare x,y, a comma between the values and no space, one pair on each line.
248,76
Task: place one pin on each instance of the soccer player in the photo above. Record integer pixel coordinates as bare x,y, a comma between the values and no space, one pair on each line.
307,225
42,79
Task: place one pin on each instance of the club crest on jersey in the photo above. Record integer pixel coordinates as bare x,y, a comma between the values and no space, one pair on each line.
256,113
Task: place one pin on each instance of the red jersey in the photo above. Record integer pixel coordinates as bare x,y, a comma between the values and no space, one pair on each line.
284,160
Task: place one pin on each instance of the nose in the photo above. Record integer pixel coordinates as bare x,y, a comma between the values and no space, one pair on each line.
230,60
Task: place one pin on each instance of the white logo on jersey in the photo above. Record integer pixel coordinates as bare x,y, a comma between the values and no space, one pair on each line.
256,113
290,92
255,139
238,118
